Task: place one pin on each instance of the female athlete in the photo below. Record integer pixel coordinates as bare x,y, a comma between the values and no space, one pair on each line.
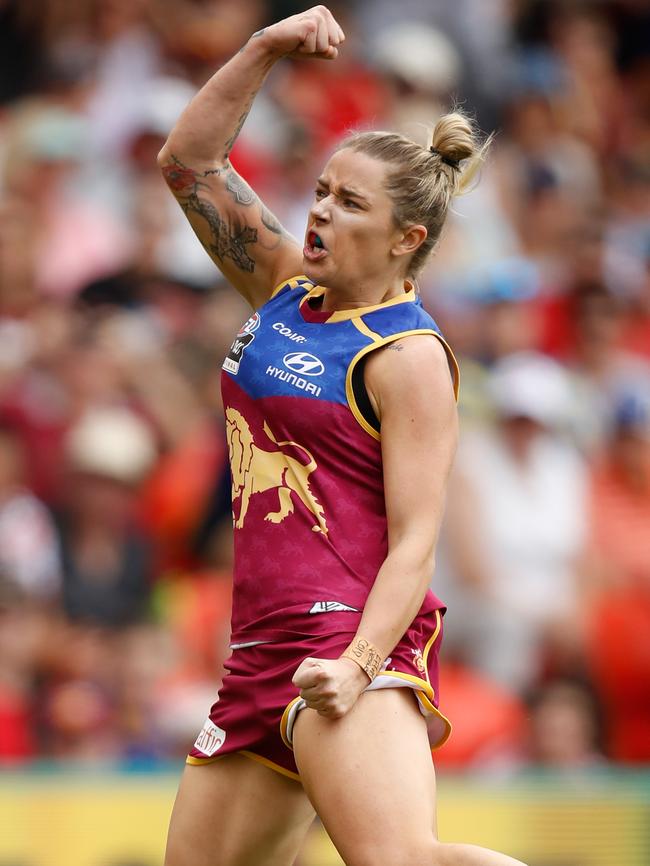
341,424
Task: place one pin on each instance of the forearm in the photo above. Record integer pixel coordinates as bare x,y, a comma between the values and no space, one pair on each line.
395,597
331,686
208,128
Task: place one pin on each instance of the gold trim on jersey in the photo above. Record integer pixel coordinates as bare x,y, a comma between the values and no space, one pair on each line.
346,315
384,341
292,282
360,325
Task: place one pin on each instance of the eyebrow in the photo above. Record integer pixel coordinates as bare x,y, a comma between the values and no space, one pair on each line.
345,191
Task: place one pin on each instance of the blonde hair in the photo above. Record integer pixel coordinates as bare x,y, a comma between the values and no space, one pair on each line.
424,180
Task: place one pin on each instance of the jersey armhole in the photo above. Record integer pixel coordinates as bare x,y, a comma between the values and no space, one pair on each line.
361,397
355,387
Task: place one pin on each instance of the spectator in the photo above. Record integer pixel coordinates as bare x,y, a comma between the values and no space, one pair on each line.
107,560
515,524
72,241
565,727
618,588
29,552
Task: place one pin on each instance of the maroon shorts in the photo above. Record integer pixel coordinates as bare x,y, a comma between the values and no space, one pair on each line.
257,704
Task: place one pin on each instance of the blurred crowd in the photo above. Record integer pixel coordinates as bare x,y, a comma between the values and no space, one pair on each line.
115,528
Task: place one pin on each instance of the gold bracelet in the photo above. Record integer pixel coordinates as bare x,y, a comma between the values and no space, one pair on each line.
365,655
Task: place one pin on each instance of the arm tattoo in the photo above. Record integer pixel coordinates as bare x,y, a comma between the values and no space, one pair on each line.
395,347
228,237
229,234
239,189
271,222
242,117
182,179
244,195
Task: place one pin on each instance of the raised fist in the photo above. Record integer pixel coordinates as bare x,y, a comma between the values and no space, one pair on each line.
314,33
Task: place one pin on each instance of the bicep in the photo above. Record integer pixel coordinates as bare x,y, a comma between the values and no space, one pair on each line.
419,433
236,229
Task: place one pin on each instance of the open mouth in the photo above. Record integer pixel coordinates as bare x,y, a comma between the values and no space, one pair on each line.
314,248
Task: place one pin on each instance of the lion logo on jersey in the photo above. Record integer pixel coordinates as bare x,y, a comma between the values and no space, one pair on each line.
255,470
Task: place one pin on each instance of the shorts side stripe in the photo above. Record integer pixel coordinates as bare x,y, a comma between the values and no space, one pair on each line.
284,722
430,643
270,764
198,761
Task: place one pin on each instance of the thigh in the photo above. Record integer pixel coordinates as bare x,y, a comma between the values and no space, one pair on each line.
237,812
371,779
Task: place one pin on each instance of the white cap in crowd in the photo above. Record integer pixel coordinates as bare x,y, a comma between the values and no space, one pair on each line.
113,442
531,385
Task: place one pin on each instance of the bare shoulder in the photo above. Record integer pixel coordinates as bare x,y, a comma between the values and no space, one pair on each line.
409,371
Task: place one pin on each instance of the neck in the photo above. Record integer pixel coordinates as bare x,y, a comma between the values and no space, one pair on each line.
336,298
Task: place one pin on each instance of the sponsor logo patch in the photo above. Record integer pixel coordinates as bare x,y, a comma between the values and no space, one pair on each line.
281,328
304,364
418,660
244,338
291,379
329,606
211,738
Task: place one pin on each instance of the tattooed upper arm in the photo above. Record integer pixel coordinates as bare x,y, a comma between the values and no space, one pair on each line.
235,228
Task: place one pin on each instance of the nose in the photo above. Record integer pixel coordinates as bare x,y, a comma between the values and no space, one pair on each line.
320,209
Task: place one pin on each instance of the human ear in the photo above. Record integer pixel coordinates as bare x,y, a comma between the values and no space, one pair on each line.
409,240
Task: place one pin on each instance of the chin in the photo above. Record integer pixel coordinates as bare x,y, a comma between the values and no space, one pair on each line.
313,271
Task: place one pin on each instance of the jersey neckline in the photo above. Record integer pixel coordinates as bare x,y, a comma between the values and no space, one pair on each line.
328,317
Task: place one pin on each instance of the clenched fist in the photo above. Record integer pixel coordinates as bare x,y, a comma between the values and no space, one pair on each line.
314,33
330,686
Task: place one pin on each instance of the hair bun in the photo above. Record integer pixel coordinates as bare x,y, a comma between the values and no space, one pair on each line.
452,163
454,138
